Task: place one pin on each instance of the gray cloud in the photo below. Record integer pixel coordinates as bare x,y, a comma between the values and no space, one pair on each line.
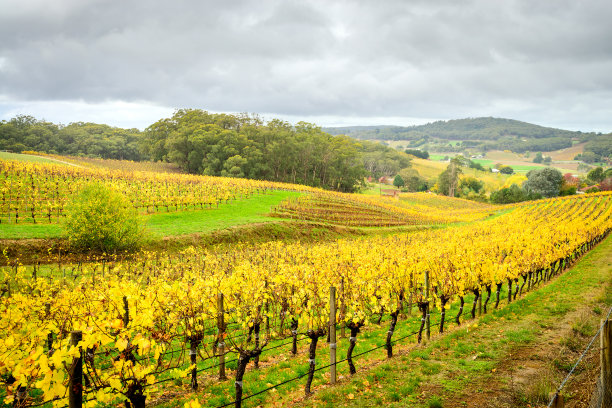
545,61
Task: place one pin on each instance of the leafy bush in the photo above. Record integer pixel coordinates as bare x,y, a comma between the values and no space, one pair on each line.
102,219
512,194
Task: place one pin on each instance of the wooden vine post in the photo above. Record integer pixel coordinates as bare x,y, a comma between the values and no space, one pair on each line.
480,303
342,311
221,339
332,334
75,380
427,322
557,400
605,355
126,315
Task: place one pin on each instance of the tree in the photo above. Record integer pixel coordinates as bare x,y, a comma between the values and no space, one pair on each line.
413,181
398,181
596,175
476,165
448,179
470,184
506,170
102,219
538,158
422,154
606,184
512,194
546,182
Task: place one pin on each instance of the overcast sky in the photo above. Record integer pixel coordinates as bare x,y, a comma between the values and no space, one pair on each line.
130,63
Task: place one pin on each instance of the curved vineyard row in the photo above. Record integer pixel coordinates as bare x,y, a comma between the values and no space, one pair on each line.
135,315
367,211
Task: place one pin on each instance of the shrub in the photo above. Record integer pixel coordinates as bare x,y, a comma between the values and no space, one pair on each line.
102,219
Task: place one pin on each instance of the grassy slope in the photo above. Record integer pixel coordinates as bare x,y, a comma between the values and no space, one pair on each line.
239,212
26,158
459,368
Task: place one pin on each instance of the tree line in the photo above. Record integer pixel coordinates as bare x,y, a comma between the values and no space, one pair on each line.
26,133
227,145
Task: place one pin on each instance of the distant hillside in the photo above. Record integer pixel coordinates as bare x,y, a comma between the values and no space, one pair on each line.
477,133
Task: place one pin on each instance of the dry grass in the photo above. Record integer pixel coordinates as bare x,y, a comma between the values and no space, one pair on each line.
566,154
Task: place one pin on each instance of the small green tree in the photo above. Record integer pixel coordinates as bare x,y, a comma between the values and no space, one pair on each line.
596,175
102,219
398,181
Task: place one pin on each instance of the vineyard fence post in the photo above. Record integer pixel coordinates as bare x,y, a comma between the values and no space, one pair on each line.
427,322
342,311
605,354
332,334
126,314
557,400
221,341
50,334
75,382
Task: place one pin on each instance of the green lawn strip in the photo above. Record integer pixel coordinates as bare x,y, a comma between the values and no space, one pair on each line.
29,231
240,212
162,224
449,365
483,162
26,158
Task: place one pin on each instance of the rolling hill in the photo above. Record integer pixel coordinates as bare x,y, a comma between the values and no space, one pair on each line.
476,134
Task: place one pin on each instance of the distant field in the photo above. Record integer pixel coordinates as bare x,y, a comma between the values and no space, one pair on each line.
522,164
428,168
566,154
432,169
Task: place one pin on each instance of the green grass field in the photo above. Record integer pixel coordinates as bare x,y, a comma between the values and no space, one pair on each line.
252,210
239,212
25,157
